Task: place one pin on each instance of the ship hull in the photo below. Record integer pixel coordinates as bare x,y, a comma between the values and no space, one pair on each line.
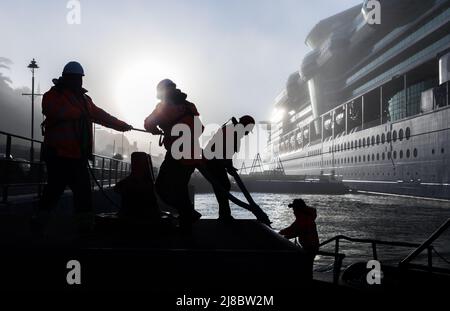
415,163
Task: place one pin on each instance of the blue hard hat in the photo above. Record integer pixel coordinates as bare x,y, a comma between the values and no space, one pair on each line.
73,68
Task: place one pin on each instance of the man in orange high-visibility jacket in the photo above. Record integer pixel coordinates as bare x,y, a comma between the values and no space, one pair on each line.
175,173
304,228
68,143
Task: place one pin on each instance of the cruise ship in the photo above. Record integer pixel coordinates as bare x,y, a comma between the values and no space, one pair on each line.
369,104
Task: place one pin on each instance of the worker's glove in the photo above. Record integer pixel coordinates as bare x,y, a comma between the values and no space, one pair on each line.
126,127
156,131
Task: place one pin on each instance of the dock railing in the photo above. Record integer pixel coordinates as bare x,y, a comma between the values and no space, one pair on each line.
23,175
339,257
405,263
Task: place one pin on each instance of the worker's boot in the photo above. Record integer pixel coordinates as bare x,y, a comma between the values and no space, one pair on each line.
225,212
195,216
185,221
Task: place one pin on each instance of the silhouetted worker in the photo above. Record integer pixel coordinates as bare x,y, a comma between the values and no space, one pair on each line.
229,136
304,228
136,190
175,173
67,146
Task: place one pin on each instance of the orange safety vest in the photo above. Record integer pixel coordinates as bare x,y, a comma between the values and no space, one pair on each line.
304,228
67,128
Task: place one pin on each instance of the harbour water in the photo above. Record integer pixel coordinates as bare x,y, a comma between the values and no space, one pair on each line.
390,218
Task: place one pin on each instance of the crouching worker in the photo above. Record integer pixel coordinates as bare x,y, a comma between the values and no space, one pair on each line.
304,228
138,196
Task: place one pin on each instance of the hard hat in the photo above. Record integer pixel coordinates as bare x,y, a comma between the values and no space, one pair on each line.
246,120
73,68
164,84
297,203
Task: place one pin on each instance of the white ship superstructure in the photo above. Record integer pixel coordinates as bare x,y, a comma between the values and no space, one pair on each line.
370,103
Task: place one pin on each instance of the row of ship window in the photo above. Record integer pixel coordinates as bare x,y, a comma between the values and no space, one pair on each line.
371,141
362,142
376,174
371,158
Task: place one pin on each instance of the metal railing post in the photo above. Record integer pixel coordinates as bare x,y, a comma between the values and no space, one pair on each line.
336,247
94,172
8,147
103,171
40,174
337,263
430,258
7,157
110,171
374,251
116,168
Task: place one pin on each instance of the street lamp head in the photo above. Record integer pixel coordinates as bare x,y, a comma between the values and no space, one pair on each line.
33,65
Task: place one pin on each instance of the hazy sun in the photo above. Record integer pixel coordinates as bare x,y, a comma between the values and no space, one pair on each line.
135,92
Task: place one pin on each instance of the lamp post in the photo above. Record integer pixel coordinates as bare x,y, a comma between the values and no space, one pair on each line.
32,66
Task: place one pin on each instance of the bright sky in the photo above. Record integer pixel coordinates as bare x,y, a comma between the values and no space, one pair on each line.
231,57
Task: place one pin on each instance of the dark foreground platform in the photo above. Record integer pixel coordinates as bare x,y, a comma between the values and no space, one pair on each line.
213,257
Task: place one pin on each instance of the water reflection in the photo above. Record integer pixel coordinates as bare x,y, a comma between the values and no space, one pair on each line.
355,215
